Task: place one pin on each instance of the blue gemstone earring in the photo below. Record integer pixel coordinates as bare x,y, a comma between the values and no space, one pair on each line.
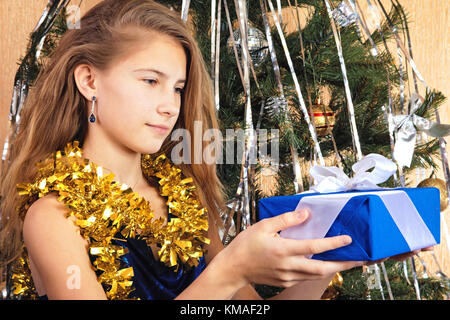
92,117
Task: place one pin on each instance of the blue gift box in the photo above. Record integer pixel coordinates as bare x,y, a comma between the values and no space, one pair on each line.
381,223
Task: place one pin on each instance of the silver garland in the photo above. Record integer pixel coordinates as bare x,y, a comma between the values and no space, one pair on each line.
297,86
351,109
277,105
185,9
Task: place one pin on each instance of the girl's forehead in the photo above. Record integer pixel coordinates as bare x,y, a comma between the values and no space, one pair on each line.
164,57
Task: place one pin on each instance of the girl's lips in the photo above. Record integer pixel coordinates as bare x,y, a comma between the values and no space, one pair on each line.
159,129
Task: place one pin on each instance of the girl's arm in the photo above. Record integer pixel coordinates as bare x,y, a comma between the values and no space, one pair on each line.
59,253
306,289
215,279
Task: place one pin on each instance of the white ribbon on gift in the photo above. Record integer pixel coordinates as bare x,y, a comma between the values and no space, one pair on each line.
325,208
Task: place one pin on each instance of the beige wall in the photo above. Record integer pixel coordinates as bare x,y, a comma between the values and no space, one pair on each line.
17,19
428,27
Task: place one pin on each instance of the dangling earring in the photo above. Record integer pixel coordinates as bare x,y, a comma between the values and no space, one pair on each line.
92,117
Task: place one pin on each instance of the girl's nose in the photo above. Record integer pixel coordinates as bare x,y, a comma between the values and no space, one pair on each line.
170,104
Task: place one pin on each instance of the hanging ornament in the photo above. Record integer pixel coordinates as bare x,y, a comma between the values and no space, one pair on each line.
332,290
324,118
405,127
267,177
344,15
439,184
257,44
337,280
276,105
227,223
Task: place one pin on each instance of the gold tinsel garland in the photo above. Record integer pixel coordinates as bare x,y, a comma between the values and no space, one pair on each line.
103,207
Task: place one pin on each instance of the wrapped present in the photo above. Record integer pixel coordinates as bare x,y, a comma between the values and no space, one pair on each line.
381,222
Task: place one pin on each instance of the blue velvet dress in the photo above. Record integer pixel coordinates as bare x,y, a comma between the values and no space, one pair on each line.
153,280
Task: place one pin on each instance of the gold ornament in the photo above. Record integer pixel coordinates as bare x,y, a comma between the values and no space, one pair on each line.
439,184
331,291
324,118
337,280
106,210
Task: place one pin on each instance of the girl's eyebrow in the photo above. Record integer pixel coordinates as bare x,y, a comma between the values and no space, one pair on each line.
162,74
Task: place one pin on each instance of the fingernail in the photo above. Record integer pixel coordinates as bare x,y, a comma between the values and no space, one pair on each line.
347,240
301,214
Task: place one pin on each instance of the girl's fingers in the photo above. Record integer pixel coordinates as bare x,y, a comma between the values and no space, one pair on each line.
314,246
284,221
371,263
316,268
404,256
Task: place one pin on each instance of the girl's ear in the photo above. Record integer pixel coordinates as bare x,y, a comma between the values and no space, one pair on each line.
86,80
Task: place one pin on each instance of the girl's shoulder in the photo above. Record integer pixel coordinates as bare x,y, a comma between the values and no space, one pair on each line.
45,210
46,220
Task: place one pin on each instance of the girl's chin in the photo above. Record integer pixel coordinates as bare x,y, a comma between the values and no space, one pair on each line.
152,147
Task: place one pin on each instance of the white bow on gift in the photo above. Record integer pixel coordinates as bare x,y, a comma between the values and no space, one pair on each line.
405,128
333,179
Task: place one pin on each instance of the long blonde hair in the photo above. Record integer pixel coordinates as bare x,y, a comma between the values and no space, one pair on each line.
56,113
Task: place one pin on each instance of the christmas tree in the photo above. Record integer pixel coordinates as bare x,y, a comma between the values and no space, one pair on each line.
376,84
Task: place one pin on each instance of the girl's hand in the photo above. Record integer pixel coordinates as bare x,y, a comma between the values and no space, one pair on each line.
400,257
259,255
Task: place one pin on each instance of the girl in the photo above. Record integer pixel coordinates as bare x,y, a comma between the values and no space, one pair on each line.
109,98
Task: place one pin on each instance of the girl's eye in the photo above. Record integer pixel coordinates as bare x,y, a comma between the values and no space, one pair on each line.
153,82
179,90
150,81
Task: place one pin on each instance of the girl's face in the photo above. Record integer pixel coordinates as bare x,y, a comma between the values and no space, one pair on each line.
139,98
